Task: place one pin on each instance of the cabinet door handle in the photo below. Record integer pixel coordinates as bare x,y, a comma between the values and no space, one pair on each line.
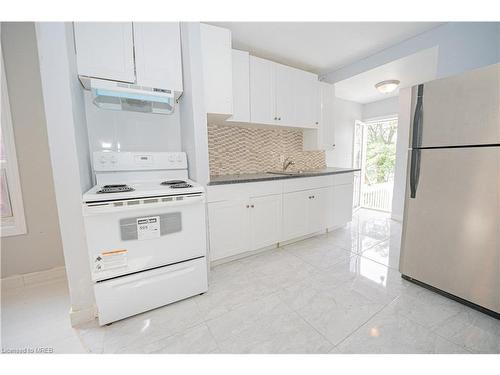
248,206
279,118
316,122
252,206
275,118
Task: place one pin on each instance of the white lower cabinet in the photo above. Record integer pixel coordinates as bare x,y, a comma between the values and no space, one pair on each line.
295,207
239,226
247,217
318,210
265,221
304,212
228,227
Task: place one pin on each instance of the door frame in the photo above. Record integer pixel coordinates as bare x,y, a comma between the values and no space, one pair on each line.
362,165
364,144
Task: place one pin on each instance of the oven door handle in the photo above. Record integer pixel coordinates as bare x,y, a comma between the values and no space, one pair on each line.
109,207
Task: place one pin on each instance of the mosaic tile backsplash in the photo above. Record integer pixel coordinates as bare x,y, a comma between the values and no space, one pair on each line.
238,150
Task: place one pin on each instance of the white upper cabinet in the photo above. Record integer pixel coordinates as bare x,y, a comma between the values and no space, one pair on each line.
285,95
158,55
262,91
307,103
323,137
217,69
105,50
281,95
241,86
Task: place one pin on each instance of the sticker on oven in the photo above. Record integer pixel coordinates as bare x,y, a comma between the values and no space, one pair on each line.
110,260
148,228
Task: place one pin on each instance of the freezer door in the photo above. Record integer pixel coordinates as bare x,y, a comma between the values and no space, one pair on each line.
459,110
451,231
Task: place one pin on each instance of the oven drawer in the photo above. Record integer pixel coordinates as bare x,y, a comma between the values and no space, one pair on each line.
133,294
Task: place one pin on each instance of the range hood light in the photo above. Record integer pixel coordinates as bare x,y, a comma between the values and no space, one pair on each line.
388,86
129,97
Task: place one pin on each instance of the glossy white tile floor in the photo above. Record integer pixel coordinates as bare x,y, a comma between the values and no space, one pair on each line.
335,293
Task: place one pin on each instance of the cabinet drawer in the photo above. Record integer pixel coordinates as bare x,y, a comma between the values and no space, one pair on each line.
226,192
130,295
243,191
343,178
262,188
306,183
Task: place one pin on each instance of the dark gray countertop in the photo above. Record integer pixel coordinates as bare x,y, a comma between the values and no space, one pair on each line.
255,177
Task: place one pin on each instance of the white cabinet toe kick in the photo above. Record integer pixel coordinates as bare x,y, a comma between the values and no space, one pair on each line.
246,218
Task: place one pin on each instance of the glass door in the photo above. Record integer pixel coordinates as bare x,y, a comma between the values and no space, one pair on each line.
357,161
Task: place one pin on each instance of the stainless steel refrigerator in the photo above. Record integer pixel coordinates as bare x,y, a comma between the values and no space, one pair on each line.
451,228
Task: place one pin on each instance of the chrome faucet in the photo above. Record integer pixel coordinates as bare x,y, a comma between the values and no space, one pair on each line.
287,162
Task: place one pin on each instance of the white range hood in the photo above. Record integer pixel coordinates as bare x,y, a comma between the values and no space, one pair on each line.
122,96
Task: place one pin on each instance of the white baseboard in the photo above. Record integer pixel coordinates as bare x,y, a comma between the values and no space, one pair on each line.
397,217
301,238
78,317
27,279
217,262
331,229
245,254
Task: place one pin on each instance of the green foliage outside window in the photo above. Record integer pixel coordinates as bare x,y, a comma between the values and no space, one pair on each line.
380,151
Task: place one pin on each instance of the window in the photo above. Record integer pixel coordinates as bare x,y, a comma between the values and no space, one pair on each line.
11,203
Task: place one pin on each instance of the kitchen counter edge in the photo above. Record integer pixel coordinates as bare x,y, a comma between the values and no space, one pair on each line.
256,177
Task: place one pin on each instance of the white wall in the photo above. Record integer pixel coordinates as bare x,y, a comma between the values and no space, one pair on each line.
462,46
40,248
381,108
79,118
404,117
345,115
192,106
63,112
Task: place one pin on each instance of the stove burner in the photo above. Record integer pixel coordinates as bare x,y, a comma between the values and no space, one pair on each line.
182,185
117,188
173,182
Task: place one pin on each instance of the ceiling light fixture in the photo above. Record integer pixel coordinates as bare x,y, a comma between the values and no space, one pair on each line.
387,86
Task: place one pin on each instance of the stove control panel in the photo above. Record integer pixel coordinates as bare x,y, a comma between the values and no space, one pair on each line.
104,161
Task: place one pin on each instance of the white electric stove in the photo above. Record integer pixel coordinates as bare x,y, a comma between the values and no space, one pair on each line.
146,232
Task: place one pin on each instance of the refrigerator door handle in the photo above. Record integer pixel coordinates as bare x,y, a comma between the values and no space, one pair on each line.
414,172
417,118
416,142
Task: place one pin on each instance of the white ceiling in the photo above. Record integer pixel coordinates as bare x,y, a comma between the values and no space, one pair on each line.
320,47
410,70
